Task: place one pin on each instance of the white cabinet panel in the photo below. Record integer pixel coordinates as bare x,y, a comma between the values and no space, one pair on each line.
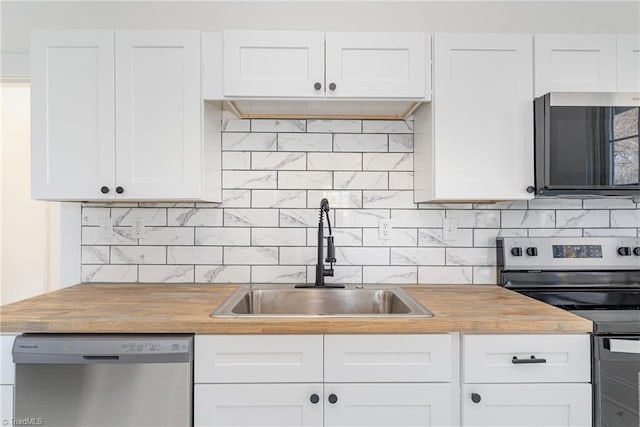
392,405
258,358
6,403
531,405
628,49
240,405
475,141
158,111
72,122
387,358
489,358
575,62
376,65
273,63
7,368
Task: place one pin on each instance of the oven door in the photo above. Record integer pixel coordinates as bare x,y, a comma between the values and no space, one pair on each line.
616,378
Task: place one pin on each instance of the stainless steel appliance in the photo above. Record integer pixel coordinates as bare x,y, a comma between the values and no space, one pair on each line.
587,143
104,380
599,279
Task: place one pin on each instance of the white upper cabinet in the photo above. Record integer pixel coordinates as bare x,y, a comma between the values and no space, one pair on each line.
575,62
72,122
305,64
376,65
629,63
117,116
273,63
158,114
475,140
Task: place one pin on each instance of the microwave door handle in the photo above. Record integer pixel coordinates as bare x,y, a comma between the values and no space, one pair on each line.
623,346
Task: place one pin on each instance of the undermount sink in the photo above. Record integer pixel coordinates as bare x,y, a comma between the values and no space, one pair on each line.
289,302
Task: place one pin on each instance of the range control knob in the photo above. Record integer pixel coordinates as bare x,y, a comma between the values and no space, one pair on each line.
517,251
624,251
532,251
636,251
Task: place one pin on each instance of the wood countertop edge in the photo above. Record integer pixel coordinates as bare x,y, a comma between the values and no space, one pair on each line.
454,311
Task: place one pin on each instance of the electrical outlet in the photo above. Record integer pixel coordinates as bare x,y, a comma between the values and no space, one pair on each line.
384,229
449,228
137,228
105,228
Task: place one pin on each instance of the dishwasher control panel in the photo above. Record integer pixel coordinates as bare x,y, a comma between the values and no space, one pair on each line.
102,348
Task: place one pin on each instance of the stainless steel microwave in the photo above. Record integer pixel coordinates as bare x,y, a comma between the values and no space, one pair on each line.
587,143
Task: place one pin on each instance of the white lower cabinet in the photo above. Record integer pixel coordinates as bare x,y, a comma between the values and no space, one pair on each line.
391,405
532,380
244,405
6,402
7,378
277,380
531,405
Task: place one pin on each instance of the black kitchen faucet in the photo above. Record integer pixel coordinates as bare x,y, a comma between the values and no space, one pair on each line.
321,271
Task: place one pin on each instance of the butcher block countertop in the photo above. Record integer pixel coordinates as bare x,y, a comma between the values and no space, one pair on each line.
185,308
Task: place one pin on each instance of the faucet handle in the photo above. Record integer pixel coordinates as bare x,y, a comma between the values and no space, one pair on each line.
331,250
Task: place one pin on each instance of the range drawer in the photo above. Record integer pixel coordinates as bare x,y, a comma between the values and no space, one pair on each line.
387,358
508,358
258,358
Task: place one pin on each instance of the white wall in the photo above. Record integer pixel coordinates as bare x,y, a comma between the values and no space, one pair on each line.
20,18
23,221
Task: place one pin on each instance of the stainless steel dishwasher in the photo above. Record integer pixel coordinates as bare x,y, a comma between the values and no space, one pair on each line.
104,380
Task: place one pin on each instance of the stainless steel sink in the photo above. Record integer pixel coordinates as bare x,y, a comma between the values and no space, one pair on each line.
289,302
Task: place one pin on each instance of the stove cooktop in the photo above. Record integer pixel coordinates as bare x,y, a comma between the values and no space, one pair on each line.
618,322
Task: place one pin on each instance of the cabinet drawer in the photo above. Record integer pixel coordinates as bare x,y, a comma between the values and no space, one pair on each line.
258,358
387,358
507,358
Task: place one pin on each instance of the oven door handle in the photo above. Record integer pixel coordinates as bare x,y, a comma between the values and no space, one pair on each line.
622,345
532,359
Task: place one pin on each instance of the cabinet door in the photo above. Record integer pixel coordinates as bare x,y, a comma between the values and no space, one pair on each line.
6,403
159,146
392,405
377,65
531,405
628,49
72,115
575,62
273,63
244,405
483,129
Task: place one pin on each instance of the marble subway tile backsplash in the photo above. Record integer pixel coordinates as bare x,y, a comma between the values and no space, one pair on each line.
274,174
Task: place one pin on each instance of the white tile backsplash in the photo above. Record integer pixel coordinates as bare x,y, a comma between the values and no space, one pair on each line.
334,161
274,174
361,180
365,143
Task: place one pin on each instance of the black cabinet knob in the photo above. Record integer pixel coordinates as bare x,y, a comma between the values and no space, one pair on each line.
317,86
636,251
531,189
517,251
314,398
624,251
333,398
532,251
332,86
475,398
104,189
119,190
